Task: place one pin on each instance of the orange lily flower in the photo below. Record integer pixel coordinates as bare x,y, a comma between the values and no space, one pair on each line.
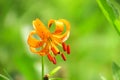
49,41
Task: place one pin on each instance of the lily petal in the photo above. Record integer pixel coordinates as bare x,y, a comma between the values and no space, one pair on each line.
40,28
42,52
37,52
59,26
34,42
56,41
65,35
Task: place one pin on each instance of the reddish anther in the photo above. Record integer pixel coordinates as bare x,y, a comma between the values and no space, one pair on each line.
54,51
58,53
54,60
50,57
63,57
64,46
68,49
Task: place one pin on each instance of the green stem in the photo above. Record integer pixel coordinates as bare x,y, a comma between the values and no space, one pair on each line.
42,68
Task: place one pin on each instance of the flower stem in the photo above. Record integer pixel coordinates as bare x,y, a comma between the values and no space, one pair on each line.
42,68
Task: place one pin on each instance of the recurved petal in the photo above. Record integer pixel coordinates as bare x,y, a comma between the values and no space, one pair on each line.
34,42
59,26
63,37
40,29
43,51
37,52
66,23
38,25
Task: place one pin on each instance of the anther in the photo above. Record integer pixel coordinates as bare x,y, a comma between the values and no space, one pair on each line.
63,57
68,49
54,60
50,57
58,53
64,46
54,51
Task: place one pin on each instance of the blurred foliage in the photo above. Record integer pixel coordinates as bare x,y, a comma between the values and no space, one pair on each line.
94,42
111,9
116,71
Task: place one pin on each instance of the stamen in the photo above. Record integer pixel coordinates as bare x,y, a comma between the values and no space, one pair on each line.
63,57
50,57
64,46
54,51
68,49
54,60
58,52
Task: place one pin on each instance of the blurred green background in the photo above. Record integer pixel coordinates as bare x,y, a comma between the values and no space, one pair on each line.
94,41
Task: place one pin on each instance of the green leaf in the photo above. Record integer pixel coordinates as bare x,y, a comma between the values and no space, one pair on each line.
111,10
54,70
116,71
4,77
